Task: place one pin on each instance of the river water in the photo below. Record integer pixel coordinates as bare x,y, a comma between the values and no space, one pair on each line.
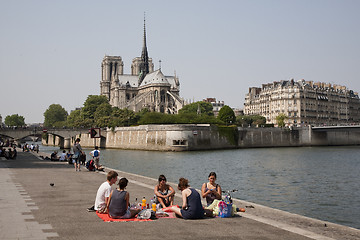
317,182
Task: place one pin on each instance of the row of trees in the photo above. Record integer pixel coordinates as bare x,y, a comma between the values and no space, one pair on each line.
98,112
14,120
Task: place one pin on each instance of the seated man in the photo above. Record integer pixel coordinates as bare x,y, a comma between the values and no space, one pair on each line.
54,156
62,156
103,193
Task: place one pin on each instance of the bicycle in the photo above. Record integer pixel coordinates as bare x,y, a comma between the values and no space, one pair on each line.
227,193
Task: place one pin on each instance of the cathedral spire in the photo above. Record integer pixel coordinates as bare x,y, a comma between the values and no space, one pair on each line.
144,67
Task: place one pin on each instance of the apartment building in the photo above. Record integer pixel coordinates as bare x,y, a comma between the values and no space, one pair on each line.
304,103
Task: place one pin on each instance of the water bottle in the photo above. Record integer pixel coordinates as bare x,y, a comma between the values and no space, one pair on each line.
153,205
143,205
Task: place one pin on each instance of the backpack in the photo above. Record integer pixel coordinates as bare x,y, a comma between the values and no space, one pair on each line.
96,153
90,165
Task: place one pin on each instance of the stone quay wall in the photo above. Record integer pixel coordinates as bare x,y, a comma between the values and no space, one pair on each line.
188,137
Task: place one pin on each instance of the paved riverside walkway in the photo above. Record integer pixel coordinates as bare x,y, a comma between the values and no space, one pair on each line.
32,209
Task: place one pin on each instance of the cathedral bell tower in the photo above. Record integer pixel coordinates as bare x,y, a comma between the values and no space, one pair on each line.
111,67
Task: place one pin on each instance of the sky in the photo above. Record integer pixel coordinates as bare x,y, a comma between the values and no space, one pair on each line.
51,51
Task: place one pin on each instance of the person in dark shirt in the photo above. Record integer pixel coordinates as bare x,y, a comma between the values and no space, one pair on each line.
191,207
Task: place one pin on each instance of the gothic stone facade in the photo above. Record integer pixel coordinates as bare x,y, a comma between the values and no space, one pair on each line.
304,103
143,88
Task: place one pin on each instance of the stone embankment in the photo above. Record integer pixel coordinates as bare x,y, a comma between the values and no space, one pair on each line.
33,208
188,137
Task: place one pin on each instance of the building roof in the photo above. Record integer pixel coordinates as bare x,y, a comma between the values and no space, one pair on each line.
154,77
132,79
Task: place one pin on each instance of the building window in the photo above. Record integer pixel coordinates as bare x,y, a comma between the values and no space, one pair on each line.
179,142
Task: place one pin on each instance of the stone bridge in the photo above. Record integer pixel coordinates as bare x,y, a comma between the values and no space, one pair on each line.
63,137
20,133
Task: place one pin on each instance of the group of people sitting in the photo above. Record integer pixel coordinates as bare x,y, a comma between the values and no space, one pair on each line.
116,202
9,153
78,157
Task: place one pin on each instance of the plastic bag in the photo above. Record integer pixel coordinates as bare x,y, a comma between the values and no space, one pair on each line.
146,214
225,209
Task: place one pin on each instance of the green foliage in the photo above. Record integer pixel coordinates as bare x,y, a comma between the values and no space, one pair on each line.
14,120
248,120
280,119
60,124
230,132
197,119
123,117
157,118
183,118
227,115
205,108
97,112
74,119
104,121
55,113
91,104
103,110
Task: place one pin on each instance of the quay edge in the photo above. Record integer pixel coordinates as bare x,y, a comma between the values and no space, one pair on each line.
192,137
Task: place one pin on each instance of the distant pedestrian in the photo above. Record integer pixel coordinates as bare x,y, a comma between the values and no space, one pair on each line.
96,156
63,156
37,148
69,157
54,156
77,152
14,153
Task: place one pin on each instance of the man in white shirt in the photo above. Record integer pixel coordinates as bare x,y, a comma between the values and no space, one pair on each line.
96,156
103,193
62,156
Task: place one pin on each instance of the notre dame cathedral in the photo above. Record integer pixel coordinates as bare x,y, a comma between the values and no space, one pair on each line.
143,88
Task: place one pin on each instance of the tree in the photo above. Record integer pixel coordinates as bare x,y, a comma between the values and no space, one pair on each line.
91,104
157,118
281,119
248,120
123,117
205,108
103,110
74,119
227,115
259,120
14,120
55,113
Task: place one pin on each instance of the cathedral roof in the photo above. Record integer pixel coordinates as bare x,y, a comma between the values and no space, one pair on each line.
154,77
132,79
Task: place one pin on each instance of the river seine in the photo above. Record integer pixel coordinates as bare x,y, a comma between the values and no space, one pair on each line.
318,182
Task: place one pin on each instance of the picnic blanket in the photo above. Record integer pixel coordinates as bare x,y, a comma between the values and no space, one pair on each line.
105,217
